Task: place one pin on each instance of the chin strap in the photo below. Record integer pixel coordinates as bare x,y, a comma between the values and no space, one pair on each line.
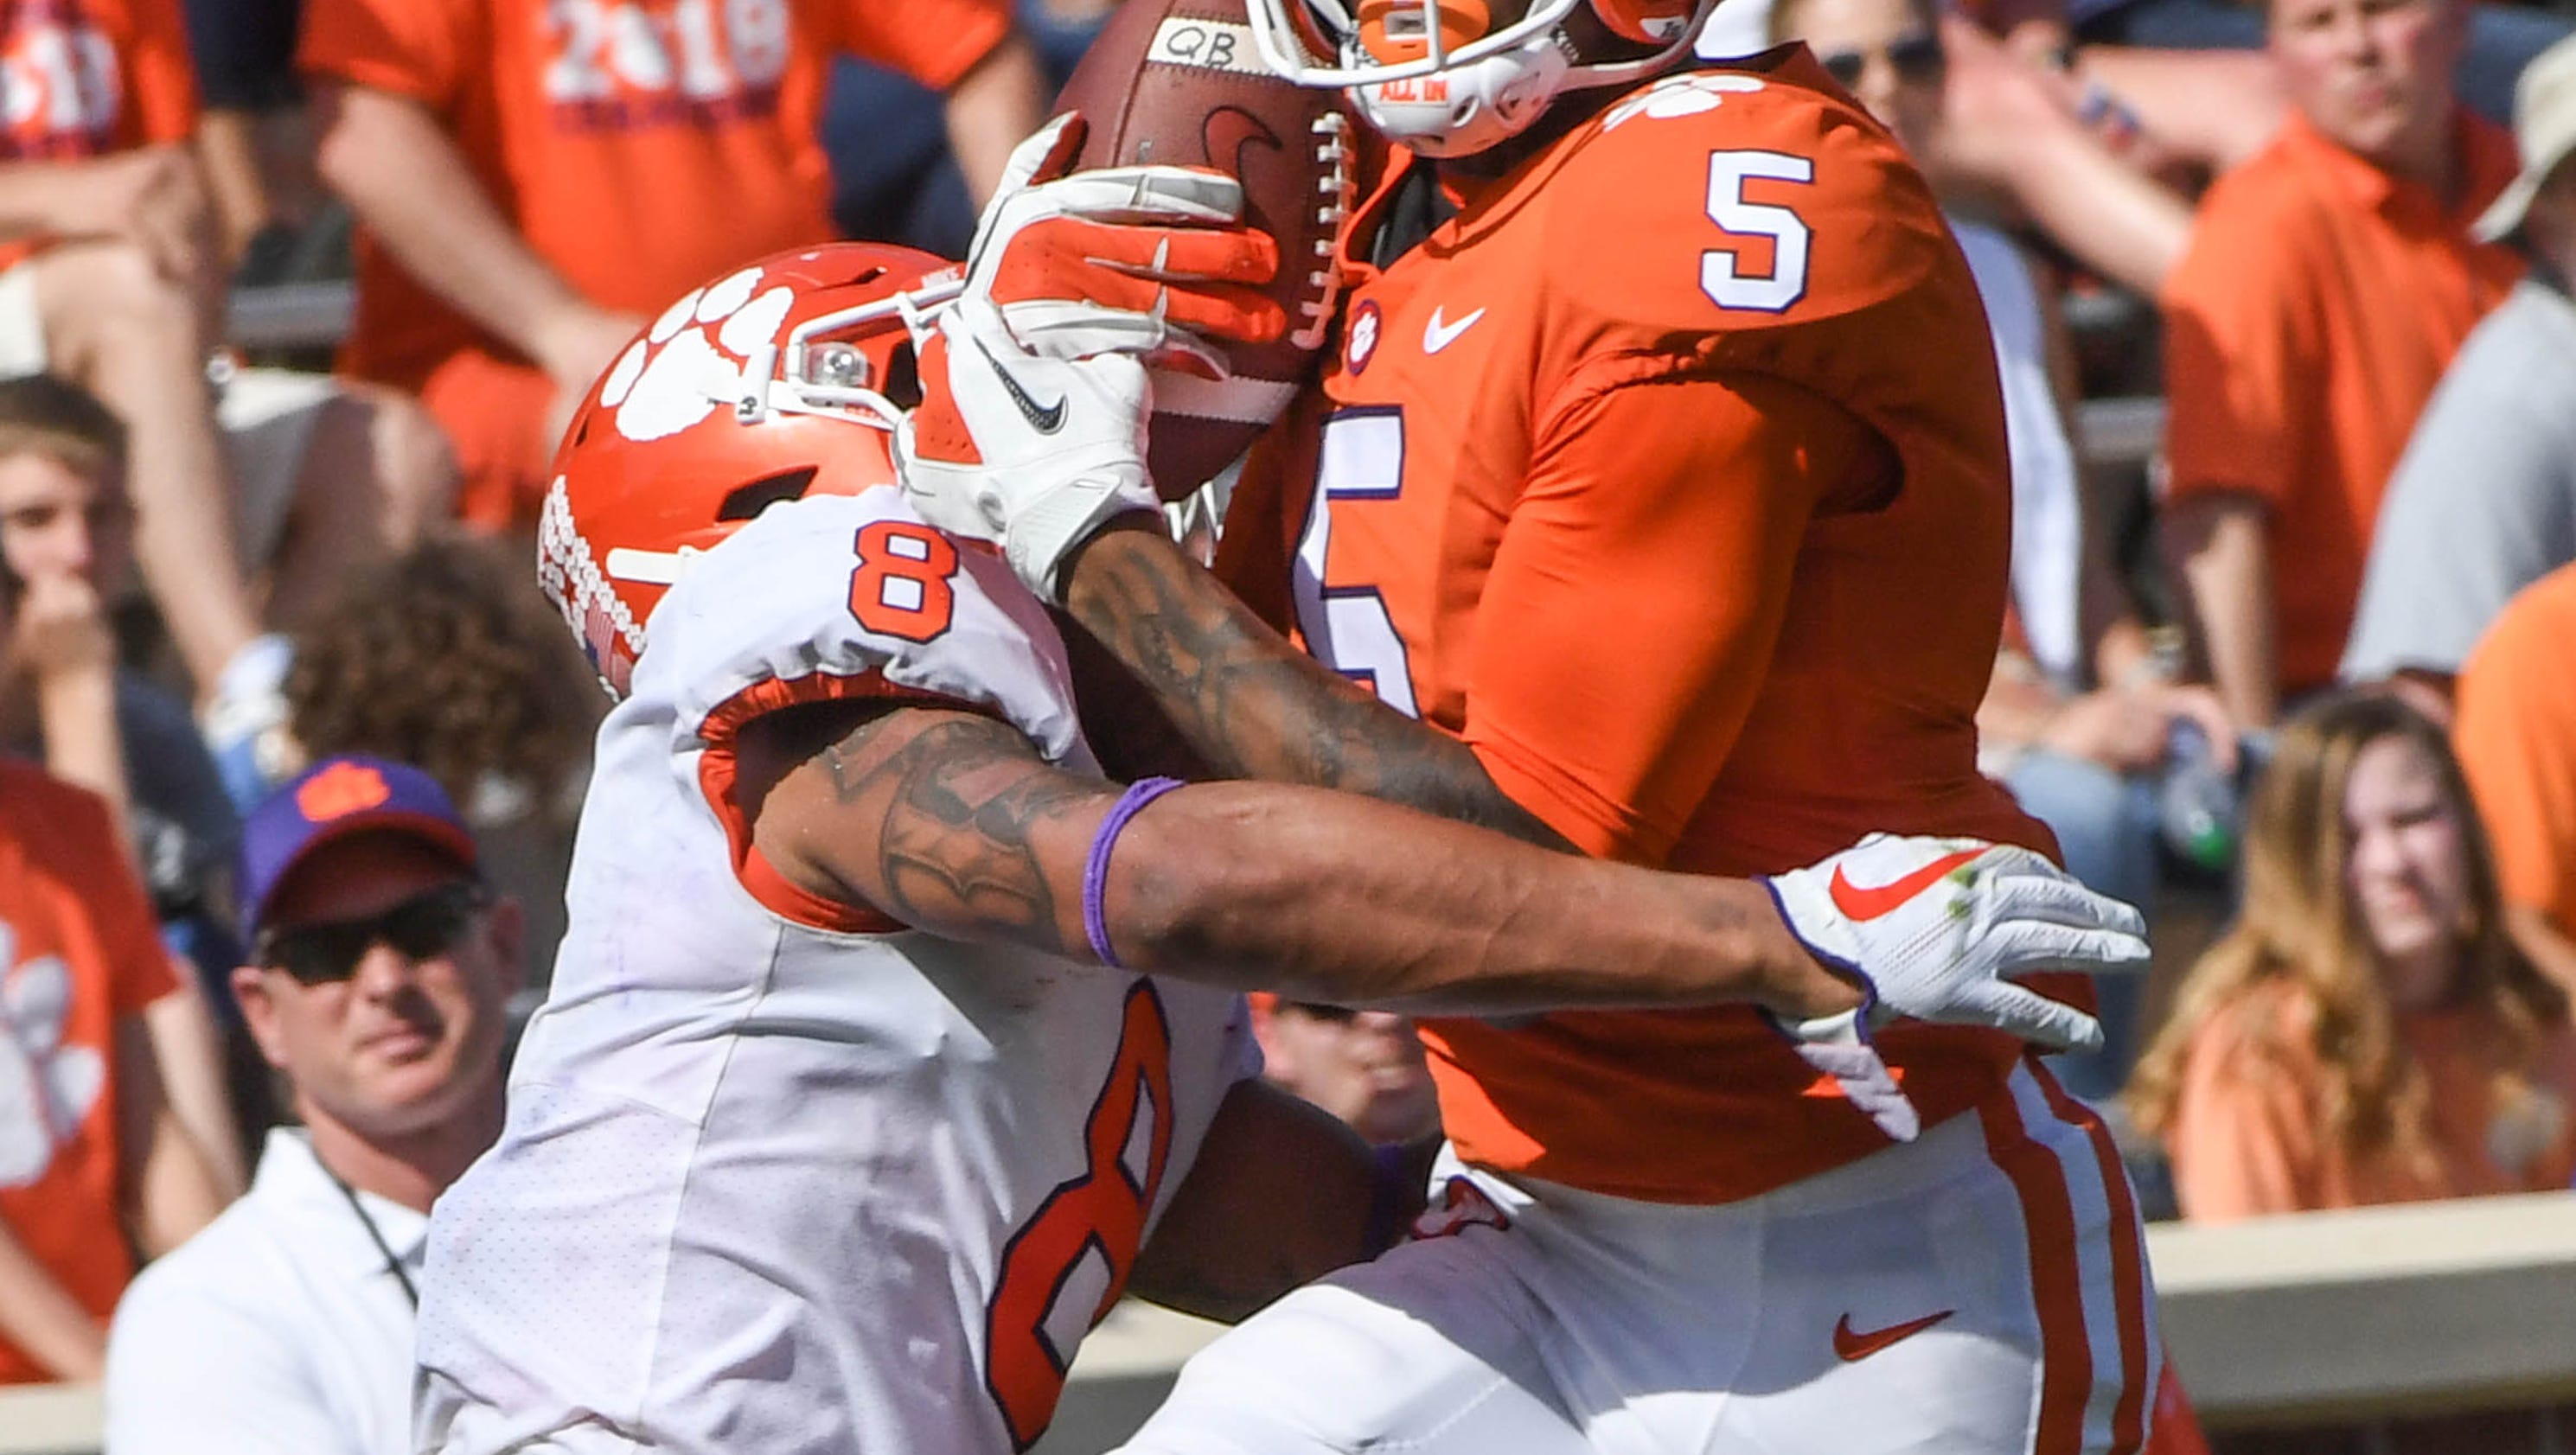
1467,108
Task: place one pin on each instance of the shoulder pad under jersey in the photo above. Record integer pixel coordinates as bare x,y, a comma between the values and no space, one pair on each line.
1728,200
842,595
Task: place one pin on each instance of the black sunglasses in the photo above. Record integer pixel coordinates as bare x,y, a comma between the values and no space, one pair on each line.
1318,1010
1916,58
420,927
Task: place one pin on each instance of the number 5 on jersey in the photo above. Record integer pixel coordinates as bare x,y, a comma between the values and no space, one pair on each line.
1720,275
1347,626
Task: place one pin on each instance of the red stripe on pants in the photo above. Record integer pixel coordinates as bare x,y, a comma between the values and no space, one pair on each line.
2128,1264
2056,1279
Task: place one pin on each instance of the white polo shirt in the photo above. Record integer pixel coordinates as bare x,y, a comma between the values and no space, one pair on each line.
278,1330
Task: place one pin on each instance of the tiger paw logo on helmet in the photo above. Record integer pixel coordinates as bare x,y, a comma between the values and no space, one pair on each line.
676,374
762,388
704,353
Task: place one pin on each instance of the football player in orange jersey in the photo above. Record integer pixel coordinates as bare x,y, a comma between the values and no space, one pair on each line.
1661,468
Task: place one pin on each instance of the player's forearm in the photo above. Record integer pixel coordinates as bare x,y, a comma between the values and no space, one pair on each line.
410,185
950,824
1333,898
1254,706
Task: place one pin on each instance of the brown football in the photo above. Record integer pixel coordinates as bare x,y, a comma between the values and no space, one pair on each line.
1179,81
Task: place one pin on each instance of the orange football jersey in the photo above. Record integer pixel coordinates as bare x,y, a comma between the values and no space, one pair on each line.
1670,474
639,147
78,82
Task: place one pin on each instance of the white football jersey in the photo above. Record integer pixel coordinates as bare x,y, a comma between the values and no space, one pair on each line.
774,1179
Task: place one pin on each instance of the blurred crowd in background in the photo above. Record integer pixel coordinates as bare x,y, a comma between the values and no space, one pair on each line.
2296,680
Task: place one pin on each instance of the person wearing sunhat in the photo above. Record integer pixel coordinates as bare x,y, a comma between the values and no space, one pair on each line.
379,968
2483,502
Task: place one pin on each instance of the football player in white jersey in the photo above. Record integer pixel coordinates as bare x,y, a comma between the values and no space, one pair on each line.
865,1086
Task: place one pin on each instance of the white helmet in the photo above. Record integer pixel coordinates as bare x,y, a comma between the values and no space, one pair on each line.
1438,78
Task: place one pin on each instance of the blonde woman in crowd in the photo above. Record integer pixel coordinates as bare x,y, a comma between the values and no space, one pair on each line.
2366,1033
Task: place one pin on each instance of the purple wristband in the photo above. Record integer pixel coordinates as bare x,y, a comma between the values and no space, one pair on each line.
1095,870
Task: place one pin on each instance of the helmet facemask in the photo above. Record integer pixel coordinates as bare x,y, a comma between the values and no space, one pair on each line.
1439,78
818,372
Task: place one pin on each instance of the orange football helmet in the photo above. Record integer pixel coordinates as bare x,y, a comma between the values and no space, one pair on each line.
781,380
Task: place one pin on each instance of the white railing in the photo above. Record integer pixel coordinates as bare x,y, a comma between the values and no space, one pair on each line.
50,1419
2327,1318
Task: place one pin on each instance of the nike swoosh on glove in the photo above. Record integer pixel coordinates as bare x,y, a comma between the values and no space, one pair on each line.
1148,260
1036,453
1938,929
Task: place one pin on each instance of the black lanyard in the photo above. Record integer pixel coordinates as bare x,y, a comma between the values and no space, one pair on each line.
375,1235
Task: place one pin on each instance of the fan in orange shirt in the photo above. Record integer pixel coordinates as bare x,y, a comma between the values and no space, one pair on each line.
534,174
250,498
2368,1032
90,1148
2328,284
1661,467
2515,732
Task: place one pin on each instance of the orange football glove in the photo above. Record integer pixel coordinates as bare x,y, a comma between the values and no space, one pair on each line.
1145,260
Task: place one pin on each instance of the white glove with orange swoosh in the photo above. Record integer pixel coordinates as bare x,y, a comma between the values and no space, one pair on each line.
1937,929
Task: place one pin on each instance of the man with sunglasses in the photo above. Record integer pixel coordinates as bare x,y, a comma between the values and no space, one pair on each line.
1363,1066
380,964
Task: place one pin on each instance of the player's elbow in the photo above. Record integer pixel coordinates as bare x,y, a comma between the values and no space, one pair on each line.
359,141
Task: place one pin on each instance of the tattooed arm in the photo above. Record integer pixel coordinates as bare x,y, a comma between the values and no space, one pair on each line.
951,823
1254,706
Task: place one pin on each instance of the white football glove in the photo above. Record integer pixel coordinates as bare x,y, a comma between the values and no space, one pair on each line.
1937,929
1146,260
1036,453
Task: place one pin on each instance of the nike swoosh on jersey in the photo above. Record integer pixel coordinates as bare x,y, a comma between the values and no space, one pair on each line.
1851,1346
1437,335
1045,420
1862,904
